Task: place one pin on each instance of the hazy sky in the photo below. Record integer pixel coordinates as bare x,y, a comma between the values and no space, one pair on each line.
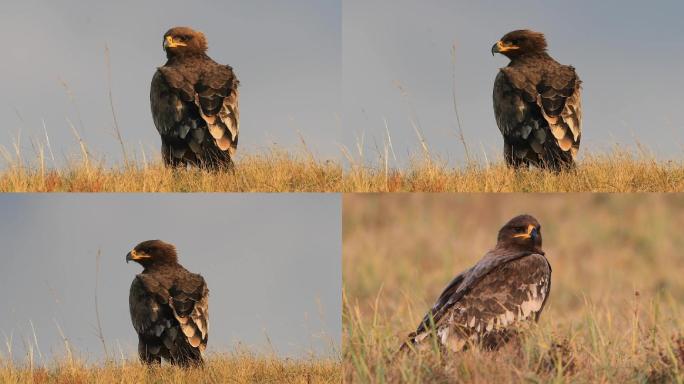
628,53
286,54
272,264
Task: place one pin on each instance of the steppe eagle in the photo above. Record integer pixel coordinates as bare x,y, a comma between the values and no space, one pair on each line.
169,306
537,104
195,103
485,305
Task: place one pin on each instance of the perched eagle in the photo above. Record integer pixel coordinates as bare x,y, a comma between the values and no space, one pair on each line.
169,306
484,305
195,103
537,104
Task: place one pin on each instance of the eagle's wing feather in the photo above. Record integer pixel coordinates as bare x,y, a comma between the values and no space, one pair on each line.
510,109
517,116
217,98
493,294
190,304
524,107
174,114
150,313
167,107
442,303
173,315
559,97
184,102
462,283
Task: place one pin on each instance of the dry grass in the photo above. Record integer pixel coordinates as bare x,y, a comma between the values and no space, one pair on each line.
276,170
234,368
618,171
614,315
272,171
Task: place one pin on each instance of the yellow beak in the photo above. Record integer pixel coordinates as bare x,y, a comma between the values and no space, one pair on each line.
527,235
169,42
135,256
500,47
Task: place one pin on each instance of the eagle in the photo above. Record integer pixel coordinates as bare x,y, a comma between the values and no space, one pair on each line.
537,104
169,307
195,104
486,305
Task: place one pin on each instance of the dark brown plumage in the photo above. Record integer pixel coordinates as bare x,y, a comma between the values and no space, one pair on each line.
537,104
195,103
169,306
485,305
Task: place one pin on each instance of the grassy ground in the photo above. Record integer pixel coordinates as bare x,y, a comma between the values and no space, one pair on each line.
235,368
615,311
276,170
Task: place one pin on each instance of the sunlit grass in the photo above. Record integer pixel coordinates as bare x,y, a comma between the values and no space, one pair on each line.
239,367
278,170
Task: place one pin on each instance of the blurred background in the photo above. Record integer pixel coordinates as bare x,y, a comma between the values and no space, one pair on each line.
399,68
272,264
54,72
401,251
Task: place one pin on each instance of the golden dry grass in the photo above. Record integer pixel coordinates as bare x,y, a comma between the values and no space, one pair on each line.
234,368
272,171
615,311
277,170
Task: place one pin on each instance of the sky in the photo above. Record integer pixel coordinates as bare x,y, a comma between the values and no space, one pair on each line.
272,264
287,56
629,55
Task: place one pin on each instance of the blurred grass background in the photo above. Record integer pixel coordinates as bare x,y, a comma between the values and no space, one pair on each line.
615,310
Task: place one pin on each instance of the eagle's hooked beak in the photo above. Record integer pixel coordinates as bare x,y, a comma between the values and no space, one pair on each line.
501,47
170,42
136,256
532,233
495,48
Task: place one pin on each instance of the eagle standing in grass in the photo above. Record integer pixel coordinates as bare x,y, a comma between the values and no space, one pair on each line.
169,306
537,104
484,305
195,104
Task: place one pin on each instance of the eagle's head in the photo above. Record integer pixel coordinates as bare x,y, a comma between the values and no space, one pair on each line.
153,252
179,41
522,232
520,42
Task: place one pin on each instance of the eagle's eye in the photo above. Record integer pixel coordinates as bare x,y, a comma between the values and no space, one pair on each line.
515,42
520,230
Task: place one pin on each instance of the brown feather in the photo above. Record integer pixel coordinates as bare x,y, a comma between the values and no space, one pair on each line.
169,307
534,91
194,104
487,303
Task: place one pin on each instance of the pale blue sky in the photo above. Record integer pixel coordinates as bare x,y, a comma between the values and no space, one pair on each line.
286,54
628,53
272,264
